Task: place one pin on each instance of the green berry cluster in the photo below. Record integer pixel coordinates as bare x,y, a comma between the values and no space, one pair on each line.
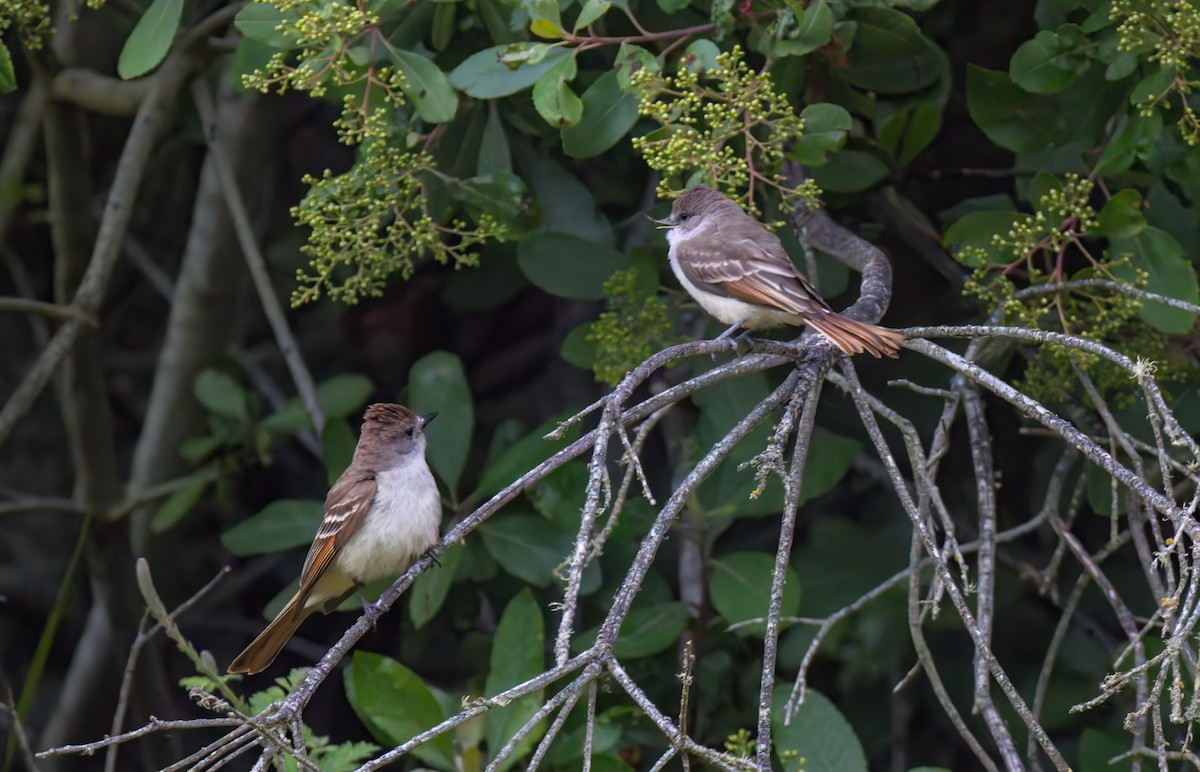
1168,31
729,130
632,327
30,17
336,44
372,222
1034,252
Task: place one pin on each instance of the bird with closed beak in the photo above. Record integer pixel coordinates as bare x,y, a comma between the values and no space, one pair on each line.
380,515
739,272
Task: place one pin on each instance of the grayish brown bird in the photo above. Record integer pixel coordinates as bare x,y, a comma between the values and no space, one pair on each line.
381,514
739,272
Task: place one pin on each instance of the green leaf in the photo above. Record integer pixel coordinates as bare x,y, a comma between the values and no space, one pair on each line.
527,546
568,266
519,457
1152,86
631,59
1096,748
825,127
150,39
442,26
437,383
815,31
1100,492
281,525
850,171
1012,117
592,10
646,631
608,115
485,75
8,77
494,155
396,705
337,446
1121,216
338,397
577,349
259,22
1136,137
517,655
826,468
498,193
426,87
909,131
740,588
553,98
673,6
818,739
219,393
177,505
430,589
1160,255
566,203
977,229
1044,65
700,55
890,55
545,18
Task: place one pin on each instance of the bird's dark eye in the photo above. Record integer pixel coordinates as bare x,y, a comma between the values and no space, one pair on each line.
409,432
683,216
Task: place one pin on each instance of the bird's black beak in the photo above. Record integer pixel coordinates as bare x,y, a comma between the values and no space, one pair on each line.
668,222
425,419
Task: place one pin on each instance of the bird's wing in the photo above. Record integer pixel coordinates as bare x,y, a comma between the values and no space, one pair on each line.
746,270
346,507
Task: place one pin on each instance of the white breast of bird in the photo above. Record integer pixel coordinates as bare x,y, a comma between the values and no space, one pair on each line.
404,522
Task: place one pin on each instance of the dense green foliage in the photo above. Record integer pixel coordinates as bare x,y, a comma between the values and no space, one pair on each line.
468,236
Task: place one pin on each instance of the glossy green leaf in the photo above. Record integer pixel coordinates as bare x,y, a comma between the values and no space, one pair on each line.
1097,749
978,229
221,394
426,87
1044,65
590,12
673,6
818,739
825,128
569,267
648,630
909,131
438,384
527,546
339,397
815,30
740,589
1153,85
518,654
700,55
545,18
1121,216
337,447
494,153
1158,254
395,705
519,457
177,505
631,59
850,171
577,349
608,115
442,32
430,589
890,55
553,98
281,525
566,203
8,77
486,75
1012,117
498,193
150,39
259,22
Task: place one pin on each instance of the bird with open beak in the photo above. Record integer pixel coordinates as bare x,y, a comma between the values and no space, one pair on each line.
739,272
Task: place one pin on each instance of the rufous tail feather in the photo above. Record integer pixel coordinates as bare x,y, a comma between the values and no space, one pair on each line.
855,337
262,650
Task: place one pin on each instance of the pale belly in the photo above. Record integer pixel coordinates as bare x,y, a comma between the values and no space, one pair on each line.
732,311
404,522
